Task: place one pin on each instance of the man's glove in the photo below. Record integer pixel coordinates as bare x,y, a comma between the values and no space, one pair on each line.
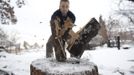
68,24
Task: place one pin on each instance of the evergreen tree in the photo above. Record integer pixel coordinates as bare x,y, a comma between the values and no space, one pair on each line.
7,13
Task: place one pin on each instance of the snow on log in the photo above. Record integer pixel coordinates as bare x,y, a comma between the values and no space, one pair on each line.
71,67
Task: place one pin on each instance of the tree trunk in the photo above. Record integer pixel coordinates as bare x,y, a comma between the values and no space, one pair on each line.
71,67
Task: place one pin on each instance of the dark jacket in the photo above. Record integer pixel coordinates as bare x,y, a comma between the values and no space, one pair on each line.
58,13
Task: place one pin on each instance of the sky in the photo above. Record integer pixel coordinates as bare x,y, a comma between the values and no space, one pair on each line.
33,18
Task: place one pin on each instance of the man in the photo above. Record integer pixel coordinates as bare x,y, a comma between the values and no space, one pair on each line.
60,16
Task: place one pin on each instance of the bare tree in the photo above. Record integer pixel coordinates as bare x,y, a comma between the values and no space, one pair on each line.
3,35
126,9
103,30
112,26
13,37
3,38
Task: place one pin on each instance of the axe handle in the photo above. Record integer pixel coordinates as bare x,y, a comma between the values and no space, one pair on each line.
62,49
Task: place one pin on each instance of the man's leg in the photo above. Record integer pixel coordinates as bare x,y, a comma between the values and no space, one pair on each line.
60,50
49,47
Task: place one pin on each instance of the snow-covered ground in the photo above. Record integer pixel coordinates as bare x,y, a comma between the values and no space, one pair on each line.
19,64
110,61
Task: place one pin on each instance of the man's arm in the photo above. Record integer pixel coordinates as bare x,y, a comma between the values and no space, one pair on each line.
55,29
53,24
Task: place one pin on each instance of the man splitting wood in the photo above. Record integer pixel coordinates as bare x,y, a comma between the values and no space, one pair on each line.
59,31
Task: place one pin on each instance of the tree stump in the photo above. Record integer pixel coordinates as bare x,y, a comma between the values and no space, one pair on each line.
71,67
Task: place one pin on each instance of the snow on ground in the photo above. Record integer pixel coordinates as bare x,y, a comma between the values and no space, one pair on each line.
110,61
19,64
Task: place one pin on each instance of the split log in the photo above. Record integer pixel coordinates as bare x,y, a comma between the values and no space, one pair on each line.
89,31
70,67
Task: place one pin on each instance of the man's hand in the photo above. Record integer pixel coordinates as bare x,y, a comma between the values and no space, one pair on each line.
68,24
59,32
